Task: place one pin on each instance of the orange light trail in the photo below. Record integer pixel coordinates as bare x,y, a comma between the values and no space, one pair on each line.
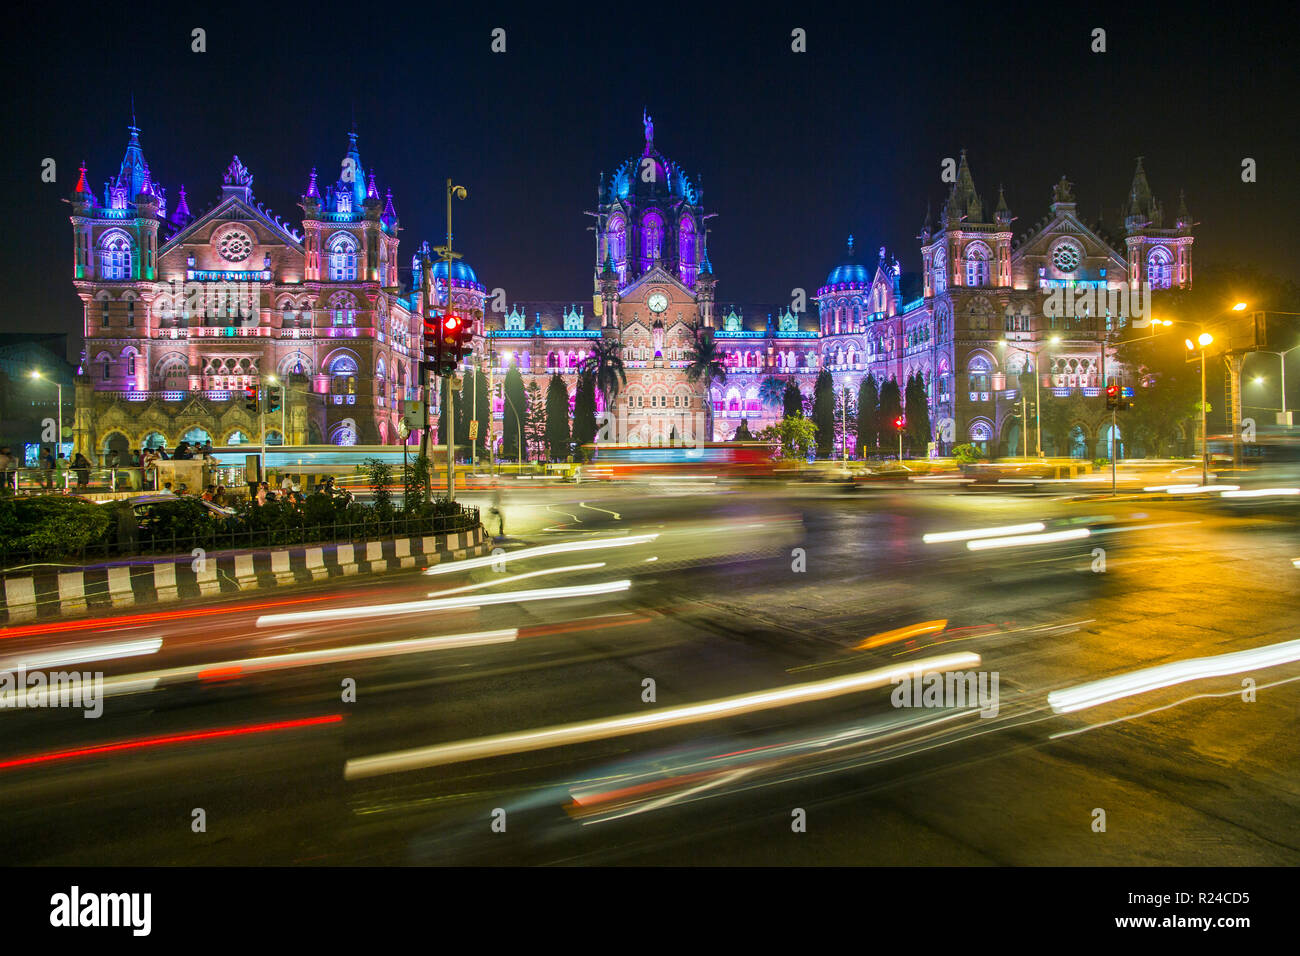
900,634
122,745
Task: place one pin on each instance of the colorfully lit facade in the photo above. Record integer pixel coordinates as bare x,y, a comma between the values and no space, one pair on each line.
320,306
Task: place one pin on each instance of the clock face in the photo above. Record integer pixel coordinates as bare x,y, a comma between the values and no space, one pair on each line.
657,302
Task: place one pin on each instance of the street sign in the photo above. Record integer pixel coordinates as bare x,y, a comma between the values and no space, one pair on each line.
414,416
402,430
473,430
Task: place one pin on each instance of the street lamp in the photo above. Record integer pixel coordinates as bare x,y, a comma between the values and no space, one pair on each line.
1282,361
58,437
1203,340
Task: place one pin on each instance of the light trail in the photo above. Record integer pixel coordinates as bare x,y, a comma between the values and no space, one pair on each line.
442,604
539,551
566,734
1110,689
123,745
941,536
228,670
617,516
43,659
1071,534
900,634
516,577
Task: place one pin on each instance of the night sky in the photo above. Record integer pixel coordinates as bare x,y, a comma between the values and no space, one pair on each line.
795,151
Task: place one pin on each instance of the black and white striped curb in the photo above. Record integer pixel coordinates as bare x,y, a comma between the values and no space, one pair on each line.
59,592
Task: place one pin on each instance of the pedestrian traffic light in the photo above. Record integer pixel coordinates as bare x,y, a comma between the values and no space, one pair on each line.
1112,396
250,399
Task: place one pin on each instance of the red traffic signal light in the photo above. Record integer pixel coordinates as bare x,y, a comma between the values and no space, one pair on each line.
453,322
898,423
1112,396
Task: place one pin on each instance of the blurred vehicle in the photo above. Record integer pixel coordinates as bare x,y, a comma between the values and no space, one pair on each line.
713,459
151,510
1271,458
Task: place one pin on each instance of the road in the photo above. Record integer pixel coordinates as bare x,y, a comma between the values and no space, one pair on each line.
731,592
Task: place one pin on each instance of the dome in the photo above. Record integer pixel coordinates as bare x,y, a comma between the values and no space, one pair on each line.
849,269
461,271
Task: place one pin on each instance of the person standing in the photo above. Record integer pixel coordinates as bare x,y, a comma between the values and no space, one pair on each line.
81,465
7,467
47,470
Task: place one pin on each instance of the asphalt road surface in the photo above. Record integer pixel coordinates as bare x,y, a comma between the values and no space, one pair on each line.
210,751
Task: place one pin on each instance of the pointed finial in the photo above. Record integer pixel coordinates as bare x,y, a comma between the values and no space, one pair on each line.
312,191
850,243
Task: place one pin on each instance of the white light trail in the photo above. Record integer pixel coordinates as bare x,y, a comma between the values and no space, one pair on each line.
1166,675
516,577
565,734
226,670
539,551
940,536
46,658
1071,534
440,604
1261,492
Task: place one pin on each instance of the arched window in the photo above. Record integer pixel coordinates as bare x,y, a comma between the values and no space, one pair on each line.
979,374
115,256
343,257
617,238
344,433
652,237
686,249
977,265
1160,268
343,376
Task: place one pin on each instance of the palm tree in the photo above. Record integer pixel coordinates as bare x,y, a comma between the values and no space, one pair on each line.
605,366
771,392
705,369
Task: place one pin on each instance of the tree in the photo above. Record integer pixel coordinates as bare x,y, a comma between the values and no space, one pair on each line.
823,413
793,399
846,421
771,391
535,424
584,411
705,369
514,421
793,437
605,365
465,407
917,413
484,412
557,419
868,402
890,409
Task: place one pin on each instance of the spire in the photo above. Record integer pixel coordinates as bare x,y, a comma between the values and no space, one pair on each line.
131,177
352,174
389,216
313,192
371,191
850,245
182,214
1140,200
82,188
648,122
1183,218
1003,212
963,201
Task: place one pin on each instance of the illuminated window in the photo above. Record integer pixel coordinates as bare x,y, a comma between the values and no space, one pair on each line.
343,258
115,257
1159,269
977,265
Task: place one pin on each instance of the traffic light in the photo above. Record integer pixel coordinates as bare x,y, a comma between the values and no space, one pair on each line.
465,339
433,343
273,399
899,423
1126,395
449,351
250,399
1112,396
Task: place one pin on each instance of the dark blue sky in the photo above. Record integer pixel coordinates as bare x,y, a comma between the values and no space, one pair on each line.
794,150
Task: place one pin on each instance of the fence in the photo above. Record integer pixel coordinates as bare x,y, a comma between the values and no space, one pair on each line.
215,535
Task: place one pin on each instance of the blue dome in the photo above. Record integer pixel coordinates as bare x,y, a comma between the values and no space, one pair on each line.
461,271
849,270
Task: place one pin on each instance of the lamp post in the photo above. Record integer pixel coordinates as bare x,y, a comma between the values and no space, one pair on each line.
1282,362
58,436
1202,340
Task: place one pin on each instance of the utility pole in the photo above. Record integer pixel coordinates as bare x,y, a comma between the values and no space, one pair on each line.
460,192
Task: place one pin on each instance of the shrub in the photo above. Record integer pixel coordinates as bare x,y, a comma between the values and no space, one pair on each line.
966,454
